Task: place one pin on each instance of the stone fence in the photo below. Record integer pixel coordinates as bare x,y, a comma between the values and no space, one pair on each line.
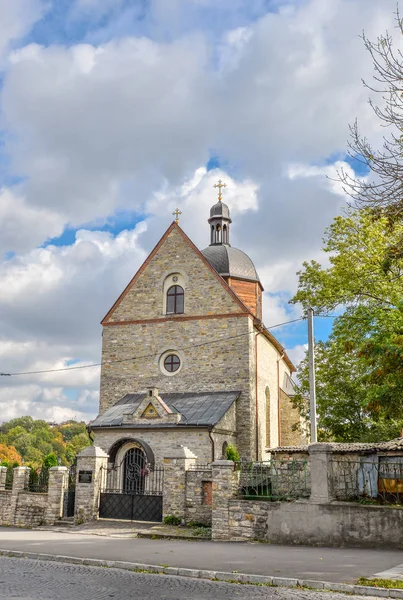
28,509
320,519
285,501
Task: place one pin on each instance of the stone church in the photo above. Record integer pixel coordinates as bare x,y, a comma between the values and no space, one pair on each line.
186,359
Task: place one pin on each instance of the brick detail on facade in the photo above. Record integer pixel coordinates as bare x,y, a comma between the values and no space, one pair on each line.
250,292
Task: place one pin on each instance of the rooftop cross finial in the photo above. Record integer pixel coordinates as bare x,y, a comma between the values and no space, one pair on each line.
176,214
220,185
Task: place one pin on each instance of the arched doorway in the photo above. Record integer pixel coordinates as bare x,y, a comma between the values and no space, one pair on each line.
135,471
133,484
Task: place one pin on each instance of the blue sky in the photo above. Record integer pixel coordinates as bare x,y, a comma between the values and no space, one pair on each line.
115,112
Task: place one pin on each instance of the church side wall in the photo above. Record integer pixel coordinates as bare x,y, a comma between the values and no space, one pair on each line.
223,366
290,416
267,357
163,442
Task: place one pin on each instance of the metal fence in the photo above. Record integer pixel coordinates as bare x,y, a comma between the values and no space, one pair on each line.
9,478
368,480
274,480
38,481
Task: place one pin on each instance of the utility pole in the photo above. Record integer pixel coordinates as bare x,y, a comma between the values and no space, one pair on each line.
312,390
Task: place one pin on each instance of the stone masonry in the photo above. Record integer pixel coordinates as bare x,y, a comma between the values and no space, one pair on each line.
137,327
28,509
94,460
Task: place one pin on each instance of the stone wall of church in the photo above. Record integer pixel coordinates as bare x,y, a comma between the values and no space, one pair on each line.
222,366
289,417
269,378
163,442
204,293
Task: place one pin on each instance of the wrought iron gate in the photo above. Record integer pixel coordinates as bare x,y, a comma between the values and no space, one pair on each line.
132,490
70,493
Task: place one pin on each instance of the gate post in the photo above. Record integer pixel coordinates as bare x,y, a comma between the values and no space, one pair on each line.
175,467
91,471
320,455
56,489
225,487
3,475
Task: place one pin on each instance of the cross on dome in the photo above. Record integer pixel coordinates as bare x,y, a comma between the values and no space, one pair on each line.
220,185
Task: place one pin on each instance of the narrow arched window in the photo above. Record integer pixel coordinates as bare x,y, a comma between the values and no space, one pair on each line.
267,395
225,235
175,300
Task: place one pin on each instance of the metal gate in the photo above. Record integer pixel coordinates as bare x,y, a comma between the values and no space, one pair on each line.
132,490
70,493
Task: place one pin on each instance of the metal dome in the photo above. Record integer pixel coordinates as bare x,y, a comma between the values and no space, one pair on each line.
230,262
219,210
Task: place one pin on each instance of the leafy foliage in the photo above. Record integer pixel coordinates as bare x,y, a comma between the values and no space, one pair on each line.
37,441
231,453
360,367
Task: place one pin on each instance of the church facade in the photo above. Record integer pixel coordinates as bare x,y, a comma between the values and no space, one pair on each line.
186,359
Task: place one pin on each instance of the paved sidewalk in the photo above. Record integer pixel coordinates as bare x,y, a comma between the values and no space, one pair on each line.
326,564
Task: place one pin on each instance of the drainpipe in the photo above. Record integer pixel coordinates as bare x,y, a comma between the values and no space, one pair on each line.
212,445
278,399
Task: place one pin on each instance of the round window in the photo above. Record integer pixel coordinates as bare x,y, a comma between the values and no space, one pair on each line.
172,363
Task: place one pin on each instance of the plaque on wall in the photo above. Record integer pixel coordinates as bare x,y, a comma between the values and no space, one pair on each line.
85,477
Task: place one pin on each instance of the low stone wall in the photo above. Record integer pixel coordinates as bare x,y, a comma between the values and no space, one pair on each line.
248,520
31,509
198,503
335,524
5,508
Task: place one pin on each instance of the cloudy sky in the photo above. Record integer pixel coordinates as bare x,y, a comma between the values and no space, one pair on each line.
115,112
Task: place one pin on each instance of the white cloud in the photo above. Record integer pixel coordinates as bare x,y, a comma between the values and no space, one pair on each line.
23,226
126,125
16,19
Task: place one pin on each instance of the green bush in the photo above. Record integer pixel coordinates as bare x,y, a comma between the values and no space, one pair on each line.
231,453
172,520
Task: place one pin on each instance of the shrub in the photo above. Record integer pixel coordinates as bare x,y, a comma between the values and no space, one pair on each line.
231,453
172,520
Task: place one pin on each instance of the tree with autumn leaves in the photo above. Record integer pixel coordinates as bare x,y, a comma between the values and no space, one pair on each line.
35,440
360,367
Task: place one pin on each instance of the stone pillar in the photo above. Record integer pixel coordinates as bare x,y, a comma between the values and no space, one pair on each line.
3,475
225,487
20,479
321,472
20,484
92,463
58,477
175,467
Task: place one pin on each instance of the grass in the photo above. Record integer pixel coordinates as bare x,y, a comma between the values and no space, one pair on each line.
381,583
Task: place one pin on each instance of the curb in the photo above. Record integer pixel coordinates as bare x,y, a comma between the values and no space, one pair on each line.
224,576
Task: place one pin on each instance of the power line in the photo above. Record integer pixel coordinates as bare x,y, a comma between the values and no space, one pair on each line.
133,358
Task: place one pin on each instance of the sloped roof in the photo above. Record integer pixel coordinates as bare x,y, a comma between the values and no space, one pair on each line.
396,444
198,409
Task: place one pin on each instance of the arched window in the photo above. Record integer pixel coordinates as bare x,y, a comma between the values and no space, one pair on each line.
224,235
267,394
175,300
224,450
218,234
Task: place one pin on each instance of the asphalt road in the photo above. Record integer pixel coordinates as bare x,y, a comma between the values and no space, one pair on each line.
325,564
23,579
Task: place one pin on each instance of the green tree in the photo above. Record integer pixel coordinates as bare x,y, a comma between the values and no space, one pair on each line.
360,367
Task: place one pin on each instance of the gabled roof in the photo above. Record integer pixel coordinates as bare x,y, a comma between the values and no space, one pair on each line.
197,409
174,225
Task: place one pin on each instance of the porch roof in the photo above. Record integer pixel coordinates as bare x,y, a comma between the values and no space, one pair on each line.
198,409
